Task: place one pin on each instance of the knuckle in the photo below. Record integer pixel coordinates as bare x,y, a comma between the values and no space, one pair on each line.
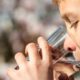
17,55
26,68
46,46
46,63
31,45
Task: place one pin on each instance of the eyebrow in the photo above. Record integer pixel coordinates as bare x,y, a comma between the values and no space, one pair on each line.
67,15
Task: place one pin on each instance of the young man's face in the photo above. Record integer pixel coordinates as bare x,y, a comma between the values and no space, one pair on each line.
70,12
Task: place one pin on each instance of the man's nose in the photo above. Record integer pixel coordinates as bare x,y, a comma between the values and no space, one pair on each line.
69,44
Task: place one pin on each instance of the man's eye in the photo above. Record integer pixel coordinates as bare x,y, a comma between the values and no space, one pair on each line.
74,24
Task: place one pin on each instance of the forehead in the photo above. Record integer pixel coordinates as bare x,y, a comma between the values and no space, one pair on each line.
69,6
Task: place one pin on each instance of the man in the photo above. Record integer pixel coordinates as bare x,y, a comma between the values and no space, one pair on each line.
69,10
37,67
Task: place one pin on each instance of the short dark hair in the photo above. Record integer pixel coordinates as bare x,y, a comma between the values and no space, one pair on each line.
57,1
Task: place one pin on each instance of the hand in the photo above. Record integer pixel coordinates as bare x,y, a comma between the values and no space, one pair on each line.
37,67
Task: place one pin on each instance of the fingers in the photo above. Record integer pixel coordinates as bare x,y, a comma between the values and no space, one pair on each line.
11,73
20,59
45,49
32,51
28,71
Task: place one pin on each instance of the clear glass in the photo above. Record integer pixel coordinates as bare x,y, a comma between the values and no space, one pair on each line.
56,40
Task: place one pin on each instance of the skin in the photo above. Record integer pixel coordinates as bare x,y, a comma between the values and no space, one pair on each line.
70,12
37,68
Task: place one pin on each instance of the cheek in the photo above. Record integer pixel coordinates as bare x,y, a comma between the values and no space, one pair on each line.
71,32
74,33
78,35
77,54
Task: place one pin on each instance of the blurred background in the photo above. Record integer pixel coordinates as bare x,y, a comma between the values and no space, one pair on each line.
21,22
